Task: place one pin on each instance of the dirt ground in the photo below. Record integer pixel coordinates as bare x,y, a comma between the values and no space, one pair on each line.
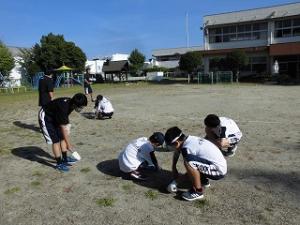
262,185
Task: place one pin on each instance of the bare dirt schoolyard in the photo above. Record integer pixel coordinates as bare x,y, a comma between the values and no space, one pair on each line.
262,185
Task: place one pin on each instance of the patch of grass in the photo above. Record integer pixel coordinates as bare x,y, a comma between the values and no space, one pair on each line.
37,174
12,190
105,202
127,187
80,143
201,203
35,183
85,170
4,151
151,194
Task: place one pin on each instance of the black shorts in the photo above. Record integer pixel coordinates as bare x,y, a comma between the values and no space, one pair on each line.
52,132
103,114
205,167
88,89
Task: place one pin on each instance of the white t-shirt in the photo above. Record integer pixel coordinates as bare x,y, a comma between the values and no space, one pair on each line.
205,149
233,132
105,106
135,153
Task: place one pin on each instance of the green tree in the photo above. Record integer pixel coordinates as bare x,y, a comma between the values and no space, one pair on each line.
27,61
7,61
190,62
53,51
136,61
237,60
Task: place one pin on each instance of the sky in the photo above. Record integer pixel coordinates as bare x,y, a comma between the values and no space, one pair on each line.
102,28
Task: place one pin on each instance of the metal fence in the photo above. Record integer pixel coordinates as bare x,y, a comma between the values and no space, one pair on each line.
215,77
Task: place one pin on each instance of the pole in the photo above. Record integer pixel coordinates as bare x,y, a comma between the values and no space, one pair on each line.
187,30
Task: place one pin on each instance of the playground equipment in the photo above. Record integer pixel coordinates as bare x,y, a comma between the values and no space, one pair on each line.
35,80
215,77
67,78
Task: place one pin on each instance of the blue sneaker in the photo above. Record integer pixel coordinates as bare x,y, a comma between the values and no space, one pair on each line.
192,195
70,161
62,167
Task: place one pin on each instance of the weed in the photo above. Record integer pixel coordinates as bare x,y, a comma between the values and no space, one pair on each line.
37,174
105,202
80,143
127,187
201,204
151,194
85,170
4,151
12,190
35,183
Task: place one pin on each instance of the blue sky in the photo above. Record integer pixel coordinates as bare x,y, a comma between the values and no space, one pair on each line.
101,28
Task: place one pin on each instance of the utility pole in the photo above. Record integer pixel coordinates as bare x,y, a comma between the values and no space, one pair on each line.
187,30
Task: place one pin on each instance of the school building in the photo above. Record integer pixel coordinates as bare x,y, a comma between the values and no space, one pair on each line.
266,35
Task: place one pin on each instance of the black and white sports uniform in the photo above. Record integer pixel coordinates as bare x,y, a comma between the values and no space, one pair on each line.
45,86
134,154
204,156
232,133
86,85
51,116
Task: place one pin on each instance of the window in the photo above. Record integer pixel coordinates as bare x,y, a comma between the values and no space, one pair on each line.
296,31
240,32
287,28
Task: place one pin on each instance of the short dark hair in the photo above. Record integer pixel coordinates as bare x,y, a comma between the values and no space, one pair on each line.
157,137
173,134
48,72
79,100
98,100
212,120
99,97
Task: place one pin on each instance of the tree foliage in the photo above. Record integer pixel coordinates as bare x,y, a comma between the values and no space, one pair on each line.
156,69
53,51
190,62
136,61
237,60
27,61
7,61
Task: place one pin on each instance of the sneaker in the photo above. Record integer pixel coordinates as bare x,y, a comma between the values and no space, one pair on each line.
70,161
205,182
192,195
137,176
62,167
146,166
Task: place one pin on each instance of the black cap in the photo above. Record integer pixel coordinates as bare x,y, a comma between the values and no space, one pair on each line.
172,135
157,137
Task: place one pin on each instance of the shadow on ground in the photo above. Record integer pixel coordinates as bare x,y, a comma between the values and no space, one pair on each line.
156,180
27,126
88,115
34,154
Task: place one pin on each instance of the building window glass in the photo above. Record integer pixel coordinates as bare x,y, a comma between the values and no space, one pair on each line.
287,28
241,32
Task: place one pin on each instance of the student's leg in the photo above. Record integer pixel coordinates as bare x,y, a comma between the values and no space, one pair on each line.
194,175
57,152
64,150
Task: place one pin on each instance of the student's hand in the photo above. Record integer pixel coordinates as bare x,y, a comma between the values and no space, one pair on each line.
70,148
224,143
